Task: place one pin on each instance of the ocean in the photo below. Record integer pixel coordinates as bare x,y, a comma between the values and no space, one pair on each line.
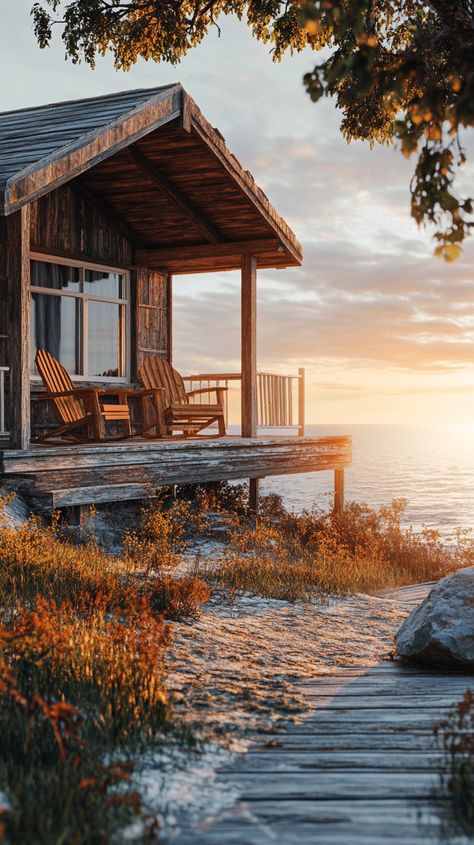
430,466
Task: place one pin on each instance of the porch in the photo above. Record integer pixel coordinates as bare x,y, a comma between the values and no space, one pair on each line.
66,476
104,203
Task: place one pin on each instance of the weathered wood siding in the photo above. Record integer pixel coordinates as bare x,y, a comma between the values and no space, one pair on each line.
64,222
5,297
153,313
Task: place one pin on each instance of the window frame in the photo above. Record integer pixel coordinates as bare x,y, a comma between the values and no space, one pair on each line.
124,325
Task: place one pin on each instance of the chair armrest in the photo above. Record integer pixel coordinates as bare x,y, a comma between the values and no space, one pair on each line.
114,391
147,391
78,392
205,390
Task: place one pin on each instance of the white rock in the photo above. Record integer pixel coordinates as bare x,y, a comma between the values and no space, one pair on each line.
441,629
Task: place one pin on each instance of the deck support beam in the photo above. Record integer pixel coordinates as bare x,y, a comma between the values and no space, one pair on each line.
249,345
18,274
338,490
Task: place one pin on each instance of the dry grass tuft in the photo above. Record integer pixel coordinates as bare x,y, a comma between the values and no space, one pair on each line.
455,735
83,646
315,555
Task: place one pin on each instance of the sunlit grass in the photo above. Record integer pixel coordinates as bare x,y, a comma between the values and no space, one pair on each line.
83,644
316,555
84,638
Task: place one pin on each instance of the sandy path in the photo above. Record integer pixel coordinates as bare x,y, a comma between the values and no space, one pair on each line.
235,674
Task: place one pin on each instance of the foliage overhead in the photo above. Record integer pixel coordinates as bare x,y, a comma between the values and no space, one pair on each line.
400,70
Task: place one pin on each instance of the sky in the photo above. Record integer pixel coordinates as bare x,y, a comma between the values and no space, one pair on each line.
384,330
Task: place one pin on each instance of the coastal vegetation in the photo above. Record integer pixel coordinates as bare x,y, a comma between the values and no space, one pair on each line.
85,638
83,645
314,554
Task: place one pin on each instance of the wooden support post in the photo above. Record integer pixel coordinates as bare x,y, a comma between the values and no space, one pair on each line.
338,490
249,345
18,274
254,489
169,315
301,401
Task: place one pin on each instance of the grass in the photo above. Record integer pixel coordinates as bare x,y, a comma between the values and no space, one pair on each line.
316,555
83,643
455,735
84,637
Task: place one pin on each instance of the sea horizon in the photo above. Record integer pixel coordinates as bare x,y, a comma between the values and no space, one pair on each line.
431,466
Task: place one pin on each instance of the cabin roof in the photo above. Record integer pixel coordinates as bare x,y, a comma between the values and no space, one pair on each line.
152,160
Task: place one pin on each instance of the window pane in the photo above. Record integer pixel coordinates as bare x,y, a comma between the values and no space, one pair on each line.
102,283
105,333
55,322
55,276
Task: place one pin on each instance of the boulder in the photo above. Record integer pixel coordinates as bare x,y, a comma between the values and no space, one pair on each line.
441,629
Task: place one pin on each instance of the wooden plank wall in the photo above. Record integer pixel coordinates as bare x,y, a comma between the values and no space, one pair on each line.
5,297
153,308
66,224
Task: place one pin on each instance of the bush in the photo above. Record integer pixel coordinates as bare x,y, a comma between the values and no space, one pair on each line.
314,554
179,598
83,689
53,753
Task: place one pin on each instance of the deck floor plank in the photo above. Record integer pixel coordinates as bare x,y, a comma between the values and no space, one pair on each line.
360,769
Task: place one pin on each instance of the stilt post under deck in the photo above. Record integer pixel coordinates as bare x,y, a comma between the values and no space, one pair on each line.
18,270
249,345
338,490
254,489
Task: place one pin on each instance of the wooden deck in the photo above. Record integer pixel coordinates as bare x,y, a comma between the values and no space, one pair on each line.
361,770
63,476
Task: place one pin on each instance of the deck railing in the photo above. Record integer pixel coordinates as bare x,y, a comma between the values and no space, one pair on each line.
280,398
3,430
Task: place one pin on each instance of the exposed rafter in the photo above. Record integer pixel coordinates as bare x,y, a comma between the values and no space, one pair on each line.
207,229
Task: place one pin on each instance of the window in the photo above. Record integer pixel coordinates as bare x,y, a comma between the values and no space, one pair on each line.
79,314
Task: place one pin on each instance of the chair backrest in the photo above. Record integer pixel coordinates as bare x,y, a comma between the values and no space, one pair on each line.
157,372
56,379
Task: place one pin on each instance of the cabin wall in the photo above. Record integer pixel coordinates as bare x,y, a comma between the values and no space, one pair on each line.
153,315
66,224
4,297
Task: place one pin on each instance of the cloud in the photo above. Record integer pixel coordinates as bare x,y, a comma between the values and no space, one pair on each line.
370,313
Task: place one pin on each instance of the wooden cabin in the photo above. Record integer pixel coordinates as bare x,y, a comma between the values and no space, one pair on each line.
103,202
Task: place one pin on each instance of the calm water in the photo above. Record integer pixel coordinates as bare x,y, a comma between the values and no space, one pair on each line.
431,467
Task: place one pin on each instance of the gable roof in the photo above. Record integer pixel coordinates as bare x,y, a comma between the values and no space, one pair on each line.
47,146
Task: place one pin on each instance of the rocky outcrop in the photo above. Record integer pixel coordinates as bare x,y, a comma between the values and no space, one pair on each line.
441,629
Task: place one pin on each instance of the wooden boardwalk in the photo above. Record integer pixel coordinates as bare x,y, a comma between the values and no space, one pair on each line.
360,770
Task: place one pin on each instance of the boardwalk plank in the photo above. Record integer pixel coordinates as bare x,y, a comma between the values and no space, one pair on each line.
350,741
362,767
302,759
307,786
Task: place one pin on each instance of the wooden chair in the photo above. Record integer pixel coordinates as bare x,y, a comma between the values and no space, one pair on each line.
80,409
174,411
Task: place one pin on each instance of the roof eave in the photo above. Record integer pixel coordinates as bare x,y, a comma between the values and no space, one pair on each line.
70,161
